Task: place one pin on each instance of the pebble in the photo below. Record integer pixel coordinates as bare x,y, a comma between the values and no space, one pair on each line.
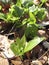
41,32
48,61
44,23
46,44
36,62
3,61
43,59
37,2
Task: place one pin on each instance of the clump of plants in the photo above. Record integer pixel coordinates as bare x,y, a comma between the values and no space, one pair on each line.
25,13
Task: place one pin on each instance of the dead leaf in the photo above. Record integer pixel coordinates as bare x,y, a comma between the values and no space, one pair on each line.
3,61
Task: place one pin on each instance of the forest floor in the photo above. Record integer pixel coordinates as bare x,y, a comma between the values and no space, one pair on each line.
38,56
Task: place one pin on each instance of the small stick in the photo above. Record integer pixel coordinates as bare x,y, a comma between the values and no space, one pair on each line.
44,54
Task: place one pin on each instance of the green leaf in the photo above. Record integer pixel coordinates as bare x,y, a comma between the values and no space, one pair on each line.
24,21
14,48
16,11
33,43
23,41
3,16
43,1
18,3
31,31
32,17
11,18
0,7
18,46
41,14
17,41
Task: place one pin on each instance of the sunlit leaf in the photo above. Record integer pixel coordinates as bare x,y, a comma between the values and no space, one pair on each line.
33,43
21,46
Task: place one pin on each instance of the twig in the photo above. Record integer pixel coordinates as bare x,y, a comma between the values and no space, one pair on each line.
13,28
44,54
9,34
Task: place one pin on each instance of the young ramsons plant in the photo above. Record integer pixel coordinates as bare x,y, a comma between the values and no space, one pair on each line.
25,13
21,46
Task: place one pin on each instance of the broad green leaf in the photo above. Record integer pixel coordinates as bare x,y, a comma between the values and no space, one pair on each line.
33,43
31,31
21,46
16,11
18,46
41,14
15,47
